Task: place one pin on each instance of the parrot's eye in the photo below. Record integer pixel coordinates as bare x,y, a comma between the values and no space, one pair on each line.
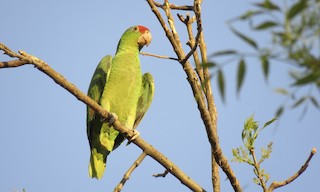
136,28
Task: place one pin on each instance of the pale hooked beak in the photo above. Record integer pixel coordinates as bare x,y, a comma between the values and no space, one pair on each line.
145,39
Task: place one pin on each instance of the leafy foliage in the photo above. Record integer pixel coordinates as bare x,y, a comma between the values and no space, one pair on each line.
246,153
294,31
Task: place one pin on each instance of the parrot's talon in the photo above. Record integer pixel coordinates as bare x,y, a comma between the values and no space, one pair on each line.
135,134
112,118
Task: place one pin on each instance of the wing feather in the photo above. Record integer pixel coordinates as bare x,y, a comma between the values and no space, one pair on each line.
96,87
145,99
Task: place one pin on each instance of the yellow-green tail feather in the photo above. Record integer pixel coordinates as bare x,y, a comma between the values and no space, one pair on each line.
97,164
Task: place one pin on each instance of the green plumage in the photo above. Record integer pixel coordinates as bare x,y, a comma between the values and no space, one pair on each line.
119,87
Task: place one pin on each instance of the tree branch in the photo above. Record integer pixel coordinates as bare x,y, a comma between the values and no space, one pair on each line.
164,174
158,56
208,115
129,172
258,172
14,63
172,6
277,184
204,81
146,147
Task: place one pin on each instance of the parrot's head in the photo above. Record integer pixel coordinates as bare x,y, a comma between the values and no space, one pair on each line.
136,36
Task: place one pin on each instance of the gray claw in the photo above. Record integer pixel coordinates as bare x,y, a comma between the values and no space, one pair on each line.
136,134
112,118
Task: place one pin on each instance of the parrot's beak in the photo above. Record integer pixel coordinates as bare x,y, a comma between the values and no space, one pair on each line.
145,39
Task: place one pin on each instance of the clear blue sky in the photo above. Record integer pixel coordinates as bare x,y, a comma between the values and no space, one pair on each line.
43,142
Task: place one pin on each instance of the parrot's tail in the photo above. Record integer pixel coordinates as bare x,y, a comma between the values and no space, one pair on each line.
97,164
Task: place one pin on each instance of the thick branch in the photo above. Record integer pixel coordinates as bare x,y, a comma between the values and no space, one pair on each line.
193,42
128,133
277,184
208,121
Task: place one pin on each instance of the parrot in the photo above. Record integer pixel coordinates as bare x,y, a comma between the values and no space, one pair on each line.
119,87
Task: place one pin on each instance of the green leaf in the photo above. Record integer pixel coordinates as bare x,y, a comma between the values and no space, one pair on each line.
241,74
223,52
279,111
221,84
314,102
249,14
209,64
281,91
299,102
266,25
250,124
295,9
265,66
245,38
310,78
267,4
269,122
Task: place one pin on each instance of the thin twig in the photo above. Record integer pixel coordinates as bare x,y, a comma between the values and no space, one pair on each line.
158,56
165,28
188,21
197,11
258,172
177,7
277,184
128,133
129,172
176,39
164,174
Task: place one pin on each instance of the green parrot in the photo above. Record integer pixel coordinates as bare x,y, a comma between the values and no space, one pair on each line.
119,87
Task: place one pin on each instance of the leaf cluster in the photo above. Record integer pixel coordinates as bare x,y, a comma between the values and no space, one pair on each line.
246,153
294,33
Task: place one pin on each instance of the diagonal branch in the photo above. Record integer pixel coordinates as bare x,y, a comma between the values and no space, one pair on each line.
129,172
277,184
146,147
208,115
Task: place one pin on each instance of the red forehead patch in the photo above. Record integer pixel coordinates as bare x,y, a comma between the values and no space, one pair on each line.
142,29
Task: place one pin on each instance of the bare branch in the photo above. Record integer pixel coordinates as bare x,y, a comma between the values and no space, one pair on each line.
177,7
158,56
164,174
128,133
129,172
277,184
165,28
10,64
208,115
188,21
204,81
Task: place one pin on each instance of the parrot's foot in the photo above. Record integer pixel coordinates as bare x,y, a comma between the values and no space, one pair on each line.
136,134
112,118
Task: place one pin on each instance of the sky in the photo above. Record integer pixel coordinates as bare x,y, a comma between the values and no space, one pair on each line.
43,144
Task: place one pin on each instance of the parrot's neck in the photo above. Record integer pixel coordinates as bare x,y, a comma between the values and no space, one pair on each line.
125,45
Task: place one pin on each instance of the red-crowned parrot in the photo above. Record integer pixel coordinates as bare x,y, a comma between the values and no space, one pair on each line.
119,87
